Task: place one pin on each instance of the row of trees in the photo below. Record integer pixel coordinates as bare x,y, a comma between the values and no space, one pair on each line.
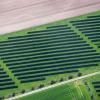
42,85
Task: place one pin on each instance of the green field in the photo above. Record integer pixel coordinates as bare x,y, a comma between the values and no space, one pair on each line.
74,91
69,91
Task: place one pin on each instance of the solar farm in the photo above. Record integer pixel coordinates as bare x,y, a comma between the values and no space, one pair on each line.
37,57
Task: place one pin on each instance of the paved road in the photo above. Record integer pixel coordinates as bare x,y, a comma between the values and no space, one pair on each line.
55,85
20,14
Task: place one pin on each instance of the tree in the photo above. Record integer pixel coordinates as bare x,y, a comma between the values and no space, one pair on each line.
70,77
32,88
13,94
79,74
52,82
23,91
41,86
2,98
61,80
